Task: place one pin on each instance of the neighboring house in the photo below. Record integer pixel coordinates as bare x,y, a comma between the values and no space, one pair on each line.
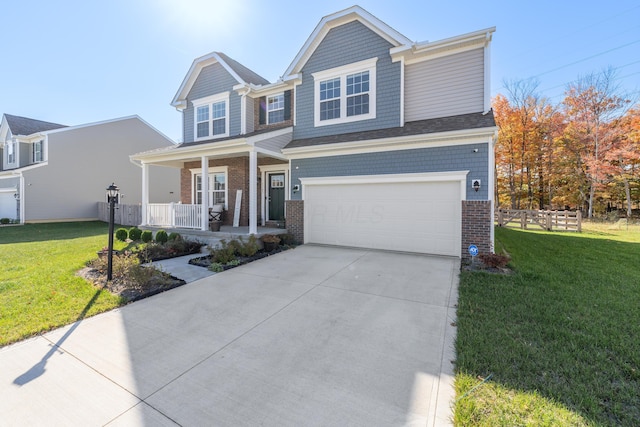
368,140
51,172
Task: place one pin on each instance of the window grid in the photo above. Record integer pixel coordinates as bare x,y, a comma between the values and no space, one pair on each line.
37,152
330,99
275,109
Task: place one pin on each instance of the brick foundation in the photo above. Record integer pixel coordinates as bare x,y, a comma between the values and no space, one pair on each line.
295,219
476,227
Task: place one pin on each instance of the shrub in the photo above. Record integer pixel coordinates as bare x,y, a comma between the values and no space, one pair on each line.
216,267
223,253
161,236
122,234
248,248
174,236
125,267
135,233
494,260
5,221
270,238
146,236
287,239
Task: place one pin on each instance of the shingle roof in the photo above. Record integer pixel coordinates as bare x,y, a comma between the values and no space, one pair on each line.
441,124
229,138
245,74
26,126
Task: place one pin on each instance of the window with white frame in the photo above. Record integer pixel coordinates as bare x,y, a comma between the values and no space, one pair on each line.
275,108
37,151
12,147
211,117
217,188
345,94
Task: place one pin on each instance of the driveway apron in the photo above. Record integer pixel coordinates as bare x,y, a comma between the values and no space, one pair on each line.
311,336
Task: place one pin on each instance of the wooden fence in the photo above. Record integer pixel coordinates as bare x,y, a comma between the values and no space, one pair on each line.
547,220
123,215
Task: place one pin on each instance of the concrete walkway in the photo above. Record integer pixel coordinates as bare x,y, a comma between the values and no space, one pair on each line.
310,336
179,267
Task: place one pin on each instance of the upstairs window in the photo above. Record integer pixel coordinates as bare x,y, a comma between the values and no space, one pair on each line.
211,117
11,152
275,109
345,94
37,152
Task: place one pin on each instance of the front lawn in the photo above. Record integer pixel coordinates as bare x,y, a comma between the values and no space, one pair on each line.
39,289
559,337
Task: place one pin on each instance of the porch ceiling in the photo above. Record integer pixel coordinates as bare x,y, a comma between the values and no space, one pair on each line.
176,158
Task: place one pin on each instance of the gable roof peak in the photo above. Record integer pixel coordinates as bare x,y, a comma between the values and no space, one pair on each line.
239,72
353,13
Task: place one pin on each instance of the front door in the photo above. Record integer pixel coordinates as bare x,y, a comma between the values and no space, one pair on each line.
276,197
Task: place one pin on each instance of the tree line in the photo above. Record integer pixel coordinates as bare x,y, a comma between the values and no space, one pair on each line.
580,153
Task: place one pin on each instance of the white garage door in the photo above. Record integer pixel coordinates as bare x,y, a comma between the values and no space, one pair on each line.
402,213
7,204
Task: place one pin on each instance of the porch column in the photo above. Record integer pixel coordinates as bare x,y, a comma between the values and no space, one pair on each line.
253,192
205,194
145,192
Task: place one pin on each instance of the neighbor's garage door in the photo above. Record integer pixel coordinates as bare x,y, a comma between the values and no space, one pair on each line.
422,217
7,204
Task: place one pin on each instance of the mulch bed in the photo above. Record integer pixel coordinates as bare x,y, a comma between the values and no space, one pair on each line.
128,290
206,261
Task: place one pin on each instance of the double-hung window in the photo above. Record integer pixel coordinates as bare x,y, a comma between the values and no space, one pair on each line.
217,187
211,117
275,109
12,148
37,151
345,94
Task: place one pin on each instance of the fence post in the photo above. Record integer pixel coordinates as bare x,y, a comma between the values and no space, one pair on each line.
579,220
523,220
172,213
549,221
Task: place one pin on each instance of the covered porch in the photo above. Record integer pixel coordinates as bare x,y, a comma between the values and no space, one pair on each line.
247,175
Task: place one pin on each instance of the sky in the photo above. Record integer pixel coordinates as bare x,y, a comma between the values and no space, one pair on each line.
77,62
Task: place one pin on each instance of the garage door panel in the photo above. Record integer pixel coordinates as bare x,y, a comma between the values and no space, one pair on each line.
408,216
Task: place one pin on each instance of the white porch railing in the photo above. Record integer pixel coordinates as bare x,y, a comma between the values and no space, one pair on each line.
174,215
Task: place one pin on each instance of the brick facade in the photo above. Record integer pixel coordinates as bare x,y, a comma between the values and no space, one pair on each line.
256,116
237,179
476,227
295,219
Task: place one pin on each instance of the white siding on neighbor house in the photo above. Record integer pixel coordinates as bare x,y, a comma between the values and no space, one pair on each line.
445,86
82,162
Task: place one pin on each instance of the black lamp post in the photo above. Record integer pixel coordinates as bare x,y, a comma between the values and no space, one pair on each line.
112,199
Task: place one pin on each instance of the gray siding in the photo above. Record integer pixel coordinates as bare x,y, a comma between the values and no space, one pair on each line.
25,154
437,159
249,113
213,79
349,43
275,143
446,86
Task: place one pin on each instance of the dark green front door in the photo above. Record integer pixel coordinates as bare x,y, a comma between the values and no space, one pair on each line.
276,197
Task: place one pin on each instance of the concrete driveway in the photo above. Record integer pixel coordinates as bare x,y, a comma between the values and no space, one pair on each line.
311,336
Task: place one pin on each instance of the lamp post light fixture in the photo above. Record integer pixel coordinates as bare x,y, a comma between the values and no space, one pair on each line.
112,198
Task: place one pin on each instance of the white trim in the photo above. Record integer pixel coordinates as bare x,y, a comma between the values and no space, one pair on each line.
440,139
265,171
8,190
487,74
209,101
253,192
452,176
340,18
342,73
402,70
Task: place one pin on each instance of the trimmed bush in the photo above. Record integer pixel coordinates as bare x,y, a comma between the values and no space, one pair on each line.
122,234
5,221
161,236
174,236
135,234
146,236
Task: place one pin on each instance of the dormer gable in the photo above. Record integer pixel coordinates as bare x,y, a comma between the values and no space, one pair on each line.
241,74
354,13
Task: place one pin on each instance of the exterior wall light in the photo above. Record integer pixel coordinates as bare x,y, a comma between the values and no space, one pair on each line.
476,185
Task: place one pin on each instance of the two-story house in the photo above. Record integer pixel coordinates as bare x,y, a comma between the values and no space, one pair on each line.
368,140
51,172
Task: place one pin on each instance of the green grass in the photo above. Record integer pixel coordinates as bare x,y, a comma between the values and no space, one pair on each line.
560,336
39,290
